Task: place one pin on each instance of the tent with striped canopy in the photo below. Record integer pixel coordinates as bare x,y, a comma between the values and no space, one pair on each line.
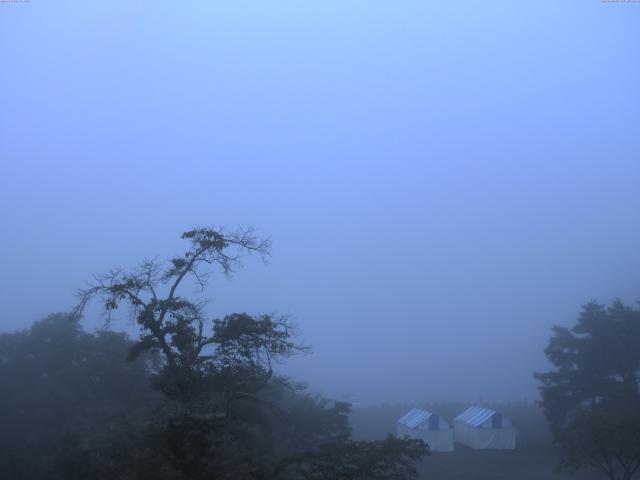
483,428
432,429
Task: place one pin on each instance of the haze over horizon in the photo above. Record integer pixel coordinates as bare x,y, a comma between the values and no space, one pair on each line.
442,182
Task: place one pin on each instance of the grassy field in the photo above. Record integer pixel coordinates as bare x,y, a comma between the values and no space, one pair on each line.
535,457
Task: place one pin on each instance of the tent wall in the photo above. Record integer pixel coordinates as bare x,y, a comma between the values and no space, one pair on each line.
481,438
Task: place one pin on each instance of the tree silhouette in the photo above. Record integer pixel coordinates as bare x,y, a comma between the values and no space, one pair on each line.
225,414
591,398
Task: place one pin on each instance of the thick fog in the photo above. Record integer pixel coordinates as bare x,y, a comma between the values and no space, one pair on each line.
442,181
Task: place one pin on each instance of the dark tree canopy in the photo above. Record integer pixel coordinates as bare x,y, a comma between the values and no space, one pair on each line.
198,353
391,459
65,392
169,322
592,397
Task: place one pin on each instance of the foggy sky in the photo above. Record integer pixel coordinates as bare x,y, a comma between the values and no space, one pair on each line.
442,181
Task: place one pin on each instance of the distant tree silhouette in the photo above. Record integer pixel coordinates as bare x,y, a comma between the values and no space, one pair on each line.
592,397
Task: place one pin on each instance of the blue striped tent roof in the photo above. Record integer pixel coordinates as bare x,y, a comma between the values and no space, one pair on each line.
415,418
475,416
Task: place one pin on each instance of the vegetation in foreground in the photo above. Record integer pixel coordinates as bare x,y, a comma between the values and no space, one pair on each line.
193,400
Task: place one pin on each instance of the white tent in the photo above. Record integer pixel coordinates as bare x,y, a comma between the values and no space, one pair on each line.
483,428
426,426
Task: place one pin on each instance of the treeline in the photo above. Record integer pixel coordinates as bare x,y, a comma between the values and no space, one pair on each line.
72,408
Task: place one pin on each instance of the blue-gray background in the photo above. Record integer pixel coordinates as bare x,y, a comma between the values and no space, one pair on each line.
442,181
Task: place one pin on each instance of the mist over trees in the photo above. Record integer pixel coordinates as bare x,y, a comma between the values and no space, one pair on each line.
437,184
69,401
189,399
592,397
194,398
